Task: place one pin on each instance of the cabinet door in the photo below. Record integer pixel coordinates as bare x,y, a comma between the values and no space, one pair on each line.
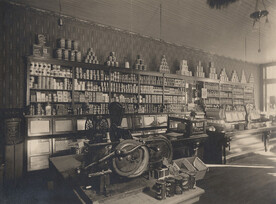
38,162
39,147
63,125
38,152
39,126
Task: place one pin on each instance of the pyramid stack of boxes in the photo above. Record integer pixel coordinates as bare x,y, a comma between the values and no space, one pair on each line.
223,76
212,74
243,78
139,64
164,68
199,70
91,57
184,69
234,77
251,78
111,60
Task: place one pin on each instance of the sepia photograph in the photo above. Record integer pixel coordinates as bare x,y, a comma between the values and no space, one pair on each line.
138,101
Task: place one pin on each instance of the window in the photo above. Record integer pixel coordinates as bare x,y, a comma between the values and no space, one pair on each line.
269,85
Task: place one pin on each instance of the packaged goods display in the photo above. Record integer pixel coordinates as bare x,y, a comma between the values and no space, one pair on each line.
91,57
152,80
146,89
175,99
234,76
112,60
122,77
174,91
151,99
251,79
212,73
212,86
47,109
164,68
212,93
124,98
139,92
223,75
150,108
67,49
175,108
183,69
140,64
90,74
174,82
199,70
243,77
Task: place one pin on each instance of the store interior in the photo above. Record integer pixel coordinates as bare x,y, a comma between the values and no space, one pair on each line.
155,101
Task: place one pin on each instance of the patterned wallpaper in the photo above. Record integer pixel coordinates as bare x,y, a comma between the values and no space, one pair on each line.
19,24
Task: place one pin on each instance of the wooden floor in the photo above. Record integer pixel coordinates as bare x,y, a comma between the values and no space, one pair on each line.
241,183
237,183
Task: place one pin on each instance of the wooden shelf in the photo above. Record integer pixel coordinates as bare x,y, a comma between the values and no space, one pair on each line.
39,89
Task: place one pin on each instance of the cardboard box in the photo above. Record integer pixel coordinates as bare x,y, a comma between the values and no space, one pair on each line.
193,165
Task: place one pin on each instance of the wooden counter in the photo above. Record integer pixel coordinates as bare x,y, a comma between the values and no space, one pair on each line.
132,191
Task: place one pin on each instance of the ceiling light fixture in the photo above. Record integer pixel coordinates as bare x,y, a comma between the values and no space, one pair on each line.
259,13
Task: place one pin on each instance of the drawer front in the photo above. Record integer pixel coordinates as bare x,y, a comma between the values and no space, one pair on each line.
63,125
39,126
38,162
39,147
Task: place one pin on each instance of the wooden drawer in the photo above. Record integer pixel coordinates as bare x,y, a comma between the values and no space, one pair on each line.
63,125
39,126
39,147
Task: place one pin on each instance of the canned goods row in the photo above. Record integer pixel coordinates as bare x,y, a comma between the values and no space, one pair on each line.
125,88
89,74
65,54
173,185
44,69
120,77
68,44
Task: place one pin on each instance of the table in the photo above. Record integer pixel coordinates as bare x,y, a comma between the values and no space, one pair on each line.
187,146
132,191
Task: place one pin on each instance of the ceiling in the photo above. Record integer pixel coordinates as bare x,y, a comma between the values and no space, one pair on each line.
192,23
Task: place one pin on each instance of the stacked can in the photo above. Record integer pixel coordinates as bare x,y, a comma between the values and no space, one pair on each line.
160,193
170,187
192,180
185,181
178,185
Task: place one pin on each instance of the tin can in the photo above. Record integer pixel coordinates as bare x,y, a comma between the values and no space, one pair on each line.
65,54
61,43
59,53
160,192
68,44
178,185
72,56
185,181
78,56
192,181
126,64
170,187
75,45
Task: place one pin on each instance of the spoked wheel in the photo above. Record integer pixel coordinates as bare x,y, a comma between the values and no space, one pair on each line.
133,164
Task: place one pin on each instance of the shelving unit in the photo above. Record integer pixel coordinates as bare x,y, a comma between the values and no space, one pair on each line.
228,93
65,93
